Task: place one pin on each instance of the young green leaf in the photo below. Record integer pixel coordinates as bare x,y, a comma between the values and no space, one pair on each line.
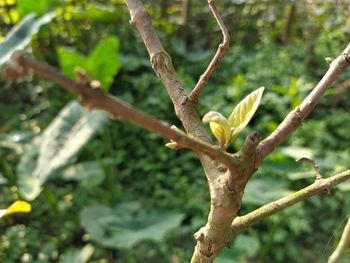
244,111
219,126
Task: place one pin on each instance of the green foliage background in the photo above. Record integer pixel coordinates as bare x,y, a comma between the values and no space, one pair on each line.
125,174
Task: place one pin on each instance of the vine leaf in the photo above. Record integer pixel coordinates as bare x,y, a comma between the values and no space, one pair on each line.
244,111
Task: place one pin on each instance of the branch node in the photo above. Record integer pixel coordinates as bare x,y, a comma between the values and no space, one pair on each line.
250,144
161,62
199,236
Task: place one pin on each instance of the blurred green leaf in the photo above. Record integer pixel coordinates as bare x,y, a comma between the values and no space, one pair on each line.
127,224
20,35
88,173
102,64
3,180
95,12
248,245
40,7
78,255
69,60
67,134
28,184
262,191
344,187
297,152
301,175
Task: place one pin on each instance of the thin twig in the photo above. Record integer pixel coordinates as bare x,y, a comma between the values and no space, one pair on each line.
297,116
219,55
242,223
92,96
344,243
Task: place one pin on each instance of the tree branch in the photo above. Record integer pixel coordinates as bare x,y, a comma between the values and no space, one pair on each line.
92,96
219,55
297,116
163,67
320,186
344,243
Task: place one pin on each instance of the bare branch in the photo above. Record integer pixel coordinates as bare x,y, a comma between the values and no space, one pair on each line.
92,96
162,65
297,116
344,243
320,186
219,55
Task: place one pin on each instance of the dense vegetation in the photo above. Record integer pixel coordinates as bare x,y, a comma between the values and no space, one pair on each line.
124,176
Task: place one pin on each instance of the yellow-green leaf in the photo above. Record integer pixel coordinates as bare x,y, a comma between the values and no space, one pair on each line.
244,111
16,207
219,126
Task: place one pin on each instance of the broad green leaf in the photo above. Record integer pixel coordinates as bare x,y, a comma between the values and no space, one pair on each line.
16,207
69,60
243,246
248,245
262,191
28,184
127,224
219,126
95,12
102,64
61,141
87,173
244,111
78,255
20,35
40,7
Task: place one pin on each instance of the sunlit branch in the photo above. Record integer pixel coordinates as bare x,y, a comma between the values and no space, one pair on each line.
320,186
297,116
